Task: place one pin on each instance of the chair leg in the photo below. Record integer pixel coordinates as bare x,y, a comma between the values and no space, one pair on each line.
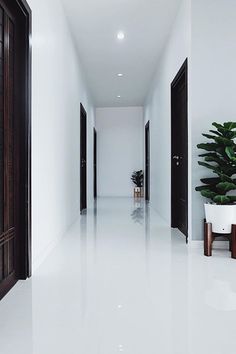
233,242
208,239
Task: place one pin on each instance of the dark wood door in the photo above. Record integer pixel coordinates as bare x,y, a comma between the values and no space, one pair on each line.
95,162
7,224
83,158
179,155
14,146
147,161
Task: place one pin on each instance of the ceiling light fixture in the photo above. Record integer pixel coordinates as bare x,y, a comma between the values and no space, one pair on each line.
120,35
118,96
120,75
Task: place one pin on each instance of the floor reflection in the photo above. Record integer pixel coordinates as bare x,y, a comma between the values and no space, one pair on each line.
137,214
122,280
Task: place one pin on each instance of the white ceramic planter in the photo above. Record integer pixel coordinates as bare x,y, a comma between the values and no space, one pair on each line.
221,217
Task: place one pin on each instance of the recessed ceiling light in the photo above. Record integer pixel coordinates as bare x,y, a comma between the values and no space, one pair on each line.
120,35
120,75
118,96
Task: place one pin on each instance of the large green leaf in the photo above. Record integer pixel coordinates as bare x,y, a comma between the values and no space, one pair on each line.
207,165
221,129
215,132
230,125
220,158
208,136
211,181
217,125
208,146
208,194
229,170
216,159
225,178
230,134
224,141
221,199
230,153
232,198
209,154
202,188
226,186
221,151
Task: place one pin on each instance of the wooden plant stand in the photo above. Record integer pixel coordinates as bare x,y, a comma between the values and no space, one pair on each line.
209,238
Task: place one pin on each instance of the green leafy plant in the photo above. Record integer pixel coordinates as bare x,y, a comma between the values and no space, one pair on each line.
137,178
220,158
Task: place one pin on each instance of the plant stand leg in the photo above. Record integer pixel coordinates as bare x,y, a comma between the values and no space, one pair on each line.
208,239
230,244
233,242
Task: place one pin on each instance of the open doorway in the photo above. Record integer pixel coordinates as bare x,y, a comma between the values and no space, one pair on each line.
83,158
179,150
147,161
15,143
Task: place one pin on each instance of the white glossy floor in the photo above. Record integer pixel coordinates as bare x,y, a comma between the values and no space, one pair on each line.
122,281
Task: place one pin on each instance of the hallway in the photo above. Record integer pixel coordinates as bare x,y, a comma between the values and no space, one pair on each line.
123,281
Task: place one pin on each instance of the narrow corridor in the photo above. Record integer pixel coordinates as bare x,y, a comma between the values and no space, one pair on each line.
123,281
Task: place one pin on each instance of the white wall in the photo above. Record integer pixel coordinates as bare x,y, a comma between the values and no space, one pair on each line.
213,80
204,32
157,110
57,89
120,149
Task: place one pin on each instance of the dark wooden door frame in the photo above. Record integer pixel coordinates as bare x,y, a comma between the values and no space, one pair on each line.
147,161
95,163
183,72
22,133
83,158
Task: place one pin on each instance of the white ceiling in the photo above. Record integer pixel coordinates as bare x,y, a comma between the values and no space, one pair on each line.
95,23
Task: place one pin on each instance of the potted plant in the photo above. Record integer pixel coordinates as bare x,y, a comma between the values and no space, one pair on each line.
137,178
220,158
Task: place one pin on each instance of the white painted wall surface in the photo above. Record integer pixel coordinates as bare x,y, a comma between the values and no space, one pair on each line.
204,32
213,81
58,88
157,110
120,149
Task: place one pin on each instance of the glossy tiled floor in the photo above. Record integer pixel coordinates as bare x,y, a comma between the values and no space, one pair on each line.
123,281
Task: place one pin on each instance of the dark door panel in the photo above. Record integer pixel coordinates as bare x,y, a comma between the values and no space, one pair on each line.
147,161
83,158
14,143
7,218
95,163
179,153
